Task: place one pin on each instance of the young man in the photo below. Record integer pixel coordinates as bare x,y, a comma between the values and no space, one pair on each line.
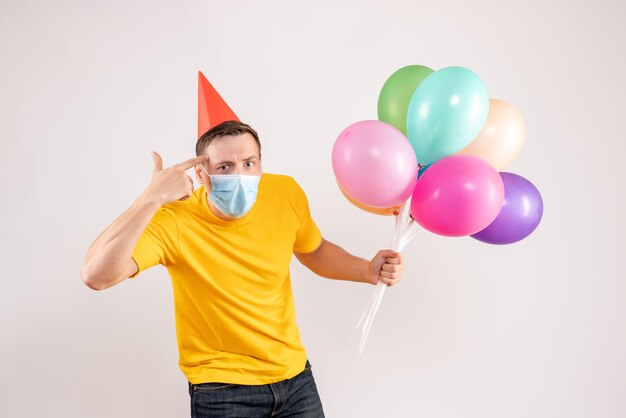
227,246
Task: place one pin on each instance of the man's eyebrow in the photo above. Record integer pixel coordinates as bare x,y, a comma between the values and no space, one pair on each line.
252,157
224,162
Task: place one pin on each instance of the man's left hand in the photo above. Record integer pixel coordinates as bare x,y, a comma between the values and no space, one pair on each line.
387,265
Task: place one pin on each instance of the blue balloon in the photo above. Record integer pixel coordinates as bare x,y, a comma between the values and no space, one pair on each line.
447,111
422,170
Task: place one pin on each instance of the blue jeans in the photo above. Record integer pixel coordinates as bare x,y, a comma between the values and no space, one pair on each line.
295,397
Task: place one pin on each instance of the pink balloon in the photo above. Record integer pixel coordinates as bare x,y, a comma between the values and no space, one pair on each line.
457,196
375,164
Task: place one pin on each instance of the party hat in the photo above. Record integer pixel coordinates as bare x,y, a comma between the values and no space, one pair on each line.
212,109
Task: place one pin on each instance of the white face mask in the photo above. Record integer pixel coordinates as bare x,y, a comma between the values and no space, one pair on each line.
233,194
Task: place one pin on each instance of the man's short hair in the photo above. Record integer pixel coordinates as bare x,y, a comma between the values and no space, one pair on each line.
230,127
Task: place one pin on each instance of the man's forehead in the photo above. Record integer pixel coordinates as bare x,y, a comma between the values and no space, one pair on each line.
226,147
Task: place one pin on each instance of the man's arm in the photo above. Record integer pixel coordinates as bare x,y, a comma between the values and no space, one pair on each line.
108,260
333,262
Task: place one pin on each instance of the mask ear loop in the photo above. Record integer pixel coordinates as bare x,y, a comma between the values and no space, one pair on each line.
205,172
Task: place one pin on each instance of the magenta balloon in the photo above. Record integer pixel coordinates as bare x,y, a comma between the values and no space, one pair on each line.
457,196
375,164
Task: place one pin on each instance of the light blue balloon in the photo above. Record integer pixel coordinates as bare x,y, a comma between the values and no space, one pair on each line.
447,111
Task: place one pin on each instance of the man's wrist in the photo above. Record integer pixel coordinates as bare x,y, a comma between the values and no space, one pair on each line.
148,199
366,274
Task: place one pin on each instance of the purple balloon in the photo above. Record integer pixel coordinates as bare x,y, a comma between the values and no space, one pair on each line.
520,214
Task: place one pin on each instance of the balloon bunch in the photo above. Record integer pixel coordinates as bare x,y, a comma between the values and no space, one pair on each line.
462,139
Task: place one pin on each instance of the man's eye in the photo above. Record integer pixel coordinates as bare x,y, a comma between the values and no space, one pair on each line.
222,167
249,163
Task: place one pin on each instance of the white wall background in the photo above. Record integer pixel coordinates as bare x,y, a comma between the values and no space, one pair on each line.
88,89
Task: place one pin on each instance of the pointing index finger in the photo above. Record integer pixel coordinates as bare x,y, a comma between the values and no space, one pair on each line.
192,161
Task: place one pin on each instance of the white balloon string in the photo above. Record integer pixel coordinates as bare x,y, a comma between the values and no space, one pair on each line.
368,311
405,230
365,323
373,314
409,233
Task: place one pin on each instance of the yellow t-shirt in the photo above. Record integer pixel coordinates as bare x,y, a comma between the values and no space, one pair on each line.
235,314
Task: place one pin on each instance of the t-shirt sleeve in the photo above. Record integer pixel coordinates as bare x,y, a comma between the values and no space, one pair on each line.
158,243
308,237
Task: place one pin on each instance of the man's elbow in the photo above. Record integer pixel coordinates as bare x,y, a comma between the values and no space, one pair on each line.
91,279
87,278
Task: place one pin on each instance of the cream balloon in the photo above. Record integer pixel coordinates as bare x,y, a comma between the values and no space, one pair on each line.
501,138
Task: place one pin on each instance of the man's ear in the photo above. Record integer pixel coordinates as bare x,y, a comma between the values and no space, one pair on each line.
198,171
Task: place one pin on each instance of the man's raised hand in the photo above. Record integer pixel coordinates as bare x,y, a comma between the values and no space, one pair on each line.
171,183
